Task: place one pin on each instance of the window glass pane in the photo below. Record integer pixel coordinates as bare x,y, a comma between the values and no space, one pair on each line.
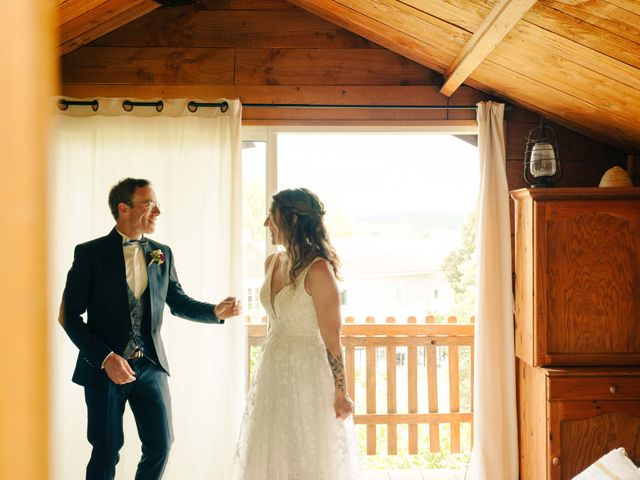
254,213
400,212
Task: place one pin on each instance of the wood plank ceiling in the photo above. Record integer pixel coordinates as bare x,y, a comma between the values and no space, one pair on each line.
576,62
82,21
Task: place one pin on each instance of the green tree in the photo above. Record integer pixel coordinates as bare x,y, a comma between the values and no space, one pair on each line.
254,209
460,268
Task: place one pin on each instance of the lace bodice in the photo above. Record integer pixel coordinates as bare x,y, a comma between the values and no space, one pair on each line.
291,311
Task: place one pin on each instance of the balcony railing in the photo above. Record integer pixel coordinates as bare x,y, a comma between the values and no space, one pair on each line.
435,347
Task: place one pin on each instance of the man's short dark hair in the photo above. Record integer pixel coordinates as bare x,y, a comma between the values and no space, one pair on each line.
123,192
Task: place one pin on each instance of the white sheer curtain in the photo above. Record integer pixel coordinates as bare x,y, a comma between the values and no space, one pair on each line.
193,161
495,449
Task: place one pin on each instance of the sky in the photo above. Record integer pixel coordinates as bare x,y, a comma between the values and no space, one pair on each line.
365,174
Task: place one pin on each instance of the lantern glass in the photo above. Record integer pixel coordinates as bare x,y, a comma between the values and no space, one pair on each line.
543,160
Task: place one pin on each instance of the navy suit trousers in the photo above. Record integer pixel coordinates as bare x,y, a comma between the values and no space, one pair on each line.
150,402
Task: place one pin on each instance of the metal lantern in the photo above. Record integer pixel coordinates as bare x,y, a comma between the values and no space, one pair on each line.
542,167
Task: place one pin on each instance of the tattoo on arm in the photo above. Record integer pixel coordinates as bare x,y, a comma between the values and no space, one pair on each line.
337,368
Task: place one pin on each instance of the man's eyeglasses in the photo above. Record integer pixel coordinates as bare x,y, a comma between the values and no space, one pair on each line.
149,204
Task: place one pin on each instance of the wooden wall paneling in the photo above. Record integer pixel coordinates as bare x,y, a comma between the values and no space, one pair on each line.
328,66
515,178
465,96
318,94
584,160
633,161
233,29
336,82
148,65
213,4
573,146
261,5
519,115
329,116
584,174
327,94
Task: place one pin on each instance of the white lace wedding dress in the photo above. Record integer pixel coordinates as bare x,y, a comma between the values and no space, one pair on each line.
289,430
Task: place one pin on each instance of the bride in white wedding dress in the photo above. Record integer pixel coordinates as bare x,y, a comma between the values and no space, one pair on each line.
297,424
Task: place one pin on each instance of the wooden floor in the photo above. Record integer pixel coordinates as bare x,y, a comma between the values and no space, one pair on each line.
414,475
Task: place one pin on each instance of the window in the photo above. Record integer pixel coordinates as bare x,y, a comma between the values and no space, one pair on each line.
400,212
397,204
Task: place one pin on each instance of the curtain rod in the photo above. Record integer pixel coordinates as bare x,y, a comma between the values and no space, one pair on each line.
193,105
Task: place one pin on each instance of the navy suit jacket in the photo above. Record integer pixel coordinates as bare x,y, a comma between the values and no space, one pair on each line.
97,284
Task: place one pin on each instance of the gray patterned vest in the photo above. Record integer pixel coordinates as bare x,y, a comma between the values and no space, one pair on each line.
136,309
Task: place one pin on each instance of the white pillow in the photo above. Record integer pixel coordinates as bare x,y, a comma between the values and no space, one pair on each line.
615,465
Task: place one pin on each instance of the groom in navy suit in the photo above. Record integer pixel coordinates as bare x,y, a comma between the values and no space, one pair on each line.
122,281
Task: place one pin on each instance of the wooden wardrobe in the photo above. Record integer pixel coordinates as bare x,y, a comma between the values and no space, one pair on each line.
577,333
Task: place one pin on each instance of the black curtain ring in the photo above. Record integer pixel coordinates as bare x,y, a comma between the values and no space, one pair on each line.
127,105
192,106
65,104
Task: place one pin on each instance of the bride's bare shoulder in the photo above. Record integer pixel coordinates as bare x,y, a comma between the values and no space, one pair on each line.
268,261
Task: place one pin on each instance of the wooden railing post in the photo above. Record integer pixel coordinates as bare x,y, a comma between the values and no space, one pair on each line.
472,363
432,380
371,393
412,385
454,392
392,428
350,366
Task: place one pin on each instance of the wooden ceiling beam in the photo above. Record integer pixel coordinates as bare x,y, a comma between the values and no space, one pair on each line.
500,21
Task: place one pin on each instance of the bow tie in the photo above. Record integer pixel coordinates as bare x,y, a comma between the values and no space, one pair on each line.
141,242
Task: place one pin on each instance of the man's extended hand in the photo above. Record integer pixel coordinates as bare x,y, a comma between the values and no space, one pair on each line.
229,307
118,369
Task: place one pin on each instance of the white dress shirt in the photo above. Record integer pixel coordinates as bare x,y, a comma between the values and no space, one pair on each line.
135,267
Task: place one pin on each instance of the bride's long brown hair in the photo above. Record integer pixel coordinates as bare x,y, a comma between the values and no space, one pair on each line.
302,228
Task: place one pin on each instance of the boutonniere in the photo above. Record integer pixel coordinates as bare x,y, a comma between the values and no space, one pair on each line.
156,257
